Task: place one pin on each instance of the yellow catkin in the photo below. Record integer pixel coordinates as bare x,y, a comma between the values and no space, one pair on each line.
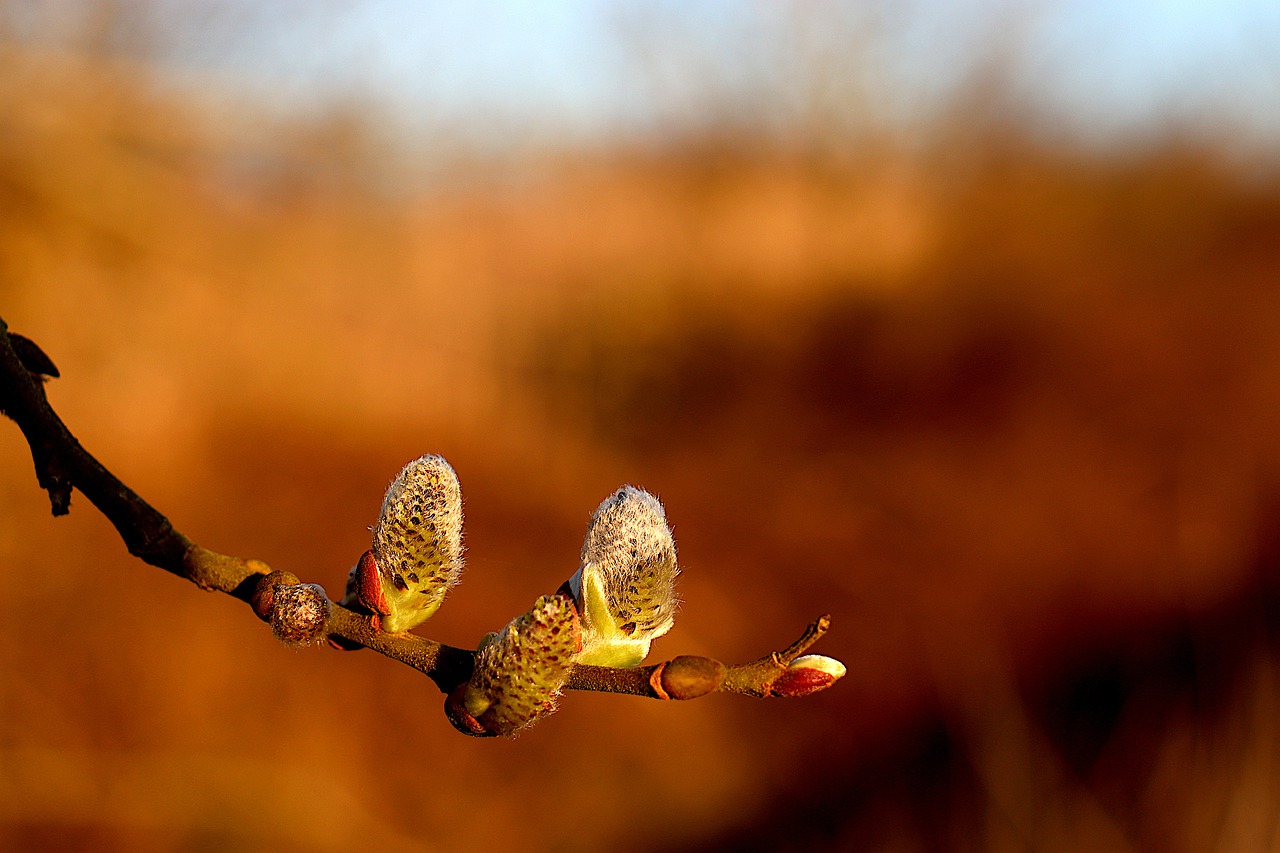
417,542
520,671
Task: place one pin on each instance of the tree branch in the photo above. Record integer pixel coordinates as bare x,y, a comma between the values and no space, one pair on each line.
62,464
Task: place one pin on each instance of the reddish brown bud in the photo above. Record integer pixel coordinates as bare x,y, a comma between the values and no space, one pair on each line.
687,677
369,584
456,711
808,674
264,592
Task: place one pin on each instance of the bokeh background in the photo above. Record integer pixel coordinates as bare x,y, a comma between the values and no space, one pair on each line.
958,320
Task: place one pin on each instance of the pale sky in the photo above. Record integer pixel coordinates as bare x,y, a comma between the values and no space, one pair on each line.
1099,70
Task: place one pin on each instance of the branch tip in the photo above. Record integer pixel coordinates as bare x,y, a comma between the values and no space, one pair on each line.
808,674
787,672
812,633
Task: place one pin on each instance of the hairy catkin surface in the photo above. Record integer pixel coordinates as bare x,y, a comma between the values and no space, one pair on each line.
630,545
519,673
417,542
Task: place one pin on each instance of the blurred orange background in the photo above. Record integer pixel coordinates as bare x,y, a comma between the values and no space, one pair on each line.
1004,403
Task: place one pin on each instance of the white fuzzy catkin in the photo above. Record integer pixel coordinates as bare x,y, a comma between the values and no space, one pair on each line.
625,585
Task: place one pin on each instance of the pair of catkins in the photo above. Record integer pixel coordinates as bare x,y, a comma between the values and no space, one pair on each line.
621,598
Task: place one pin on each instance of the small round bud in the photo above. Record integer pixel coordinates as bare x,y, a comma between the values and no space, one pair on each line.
687,677
520,671
808,674
299,613
625,585
264,592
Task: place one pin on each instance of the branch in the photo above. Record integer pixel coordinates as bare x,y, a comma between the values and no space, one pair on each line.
62,464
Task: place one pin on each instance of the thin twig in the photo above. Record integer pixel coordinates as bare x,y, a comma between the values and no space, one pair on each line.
62,464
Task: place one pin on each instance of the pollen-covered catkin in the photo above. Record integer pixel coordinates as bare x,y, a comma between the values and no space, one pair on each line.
520,671
417,542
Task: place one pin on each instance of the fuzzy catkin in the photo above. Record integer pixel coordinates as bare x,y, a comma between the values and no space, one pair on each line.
520,671
417,541
631,547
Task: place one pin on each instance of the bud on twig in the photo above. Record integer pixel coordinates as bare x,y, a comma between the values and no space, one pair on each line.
299,613
625,585
264,592
520,670
417,546
808,674
457,714
687,677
